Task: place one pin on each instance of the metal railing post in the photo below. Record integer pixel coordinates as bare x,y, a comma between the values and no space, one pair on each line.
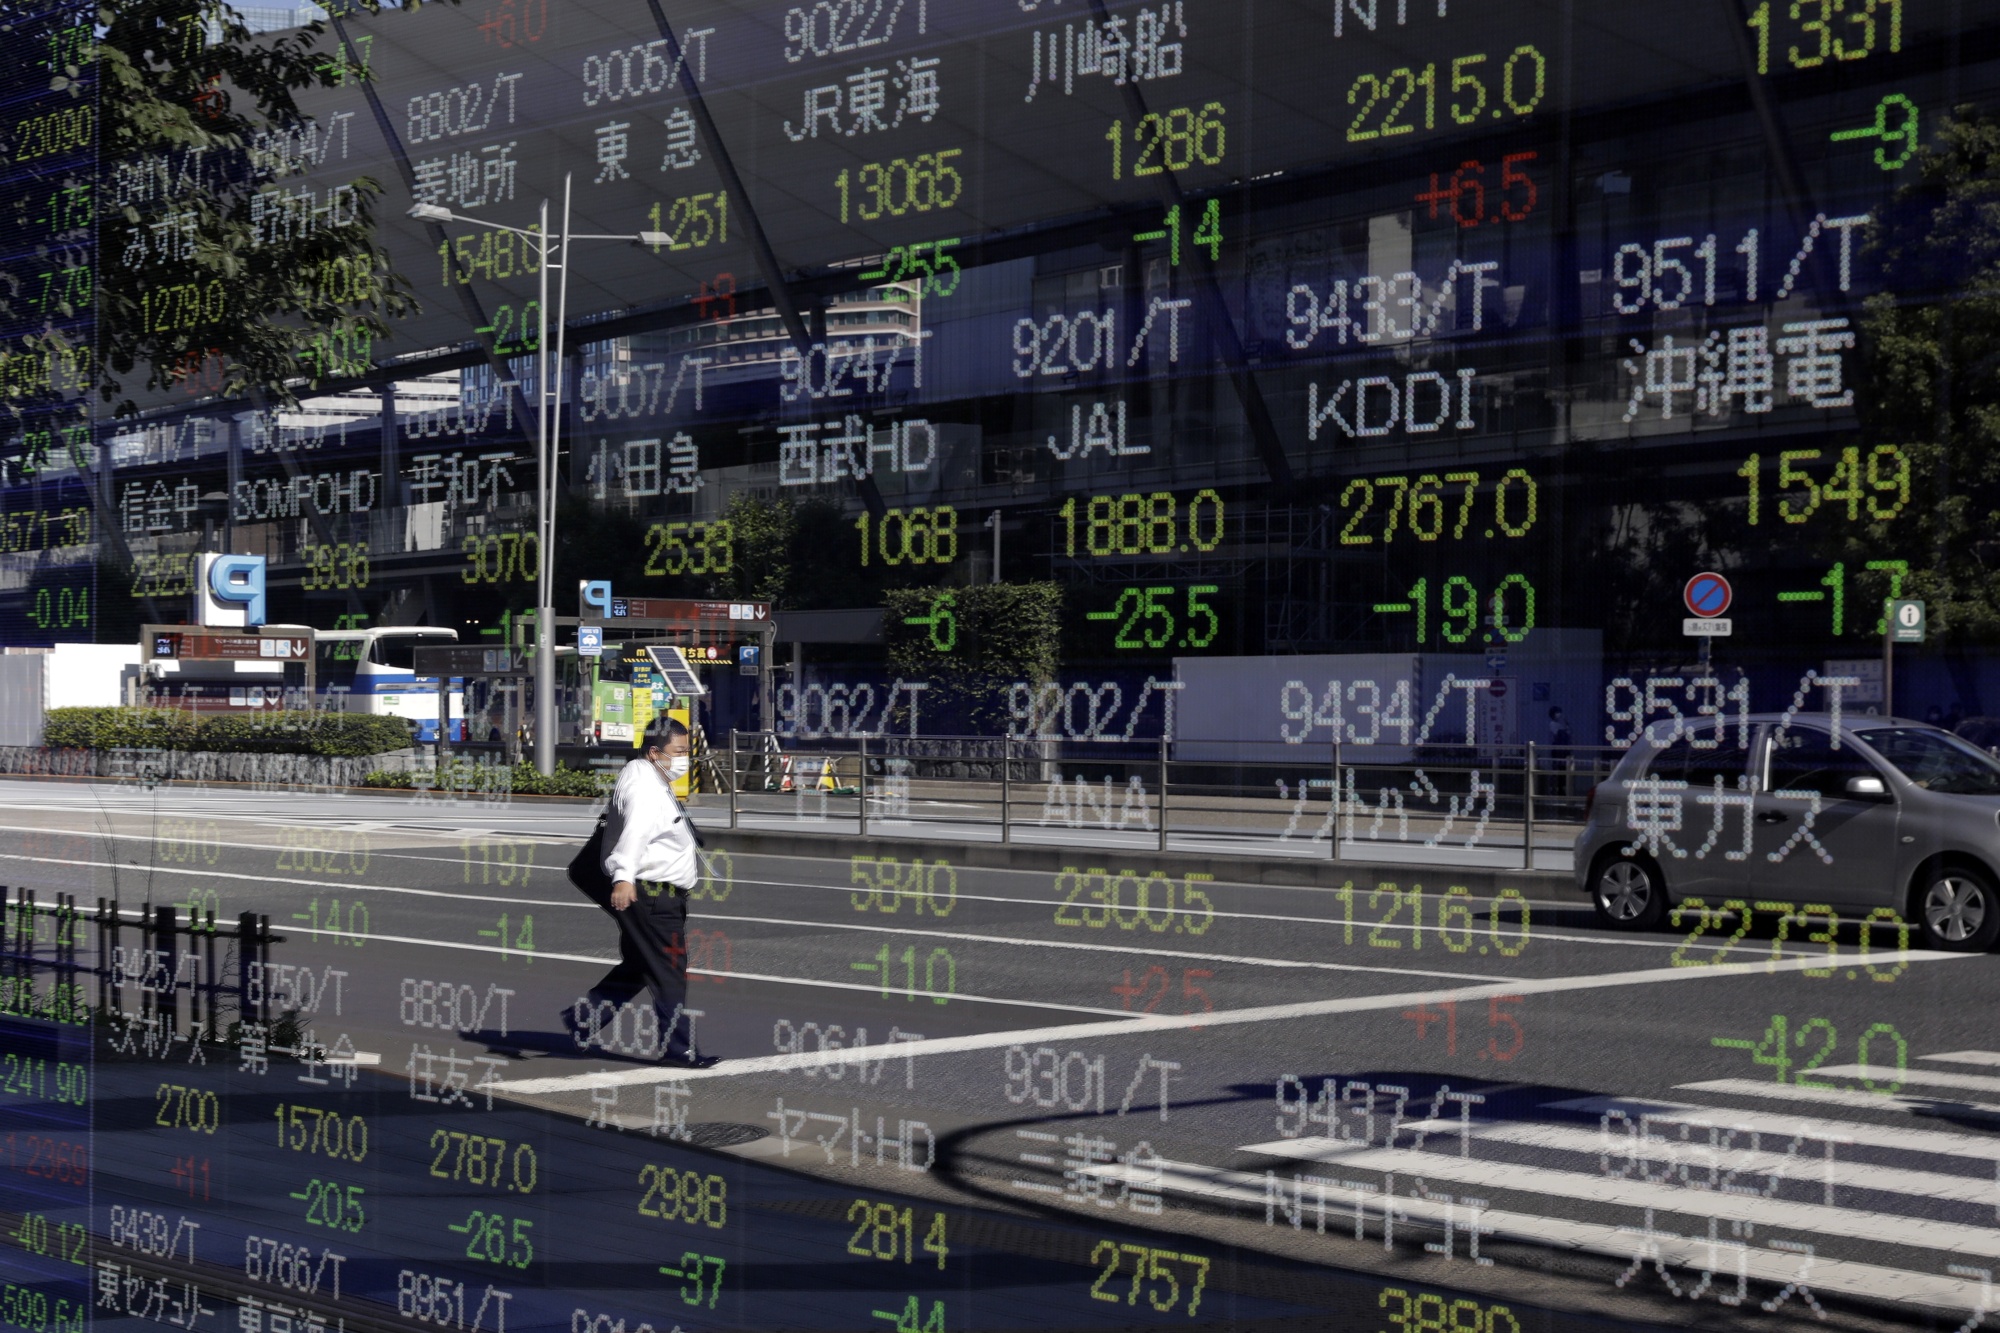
1528,809
1006,777
735,777
1163,791
861,786
1333,819
107,938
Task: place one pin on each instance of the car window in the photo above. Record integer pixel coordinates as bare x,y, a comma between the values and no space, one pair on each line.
1698,759
1804,759
1936,760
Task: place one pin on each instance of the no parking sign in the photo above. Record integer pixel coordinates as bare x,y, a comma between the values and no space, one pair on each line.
1707,596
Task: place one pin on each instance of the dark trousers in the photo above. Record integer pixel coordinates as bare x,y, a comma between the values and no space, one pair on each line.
652,953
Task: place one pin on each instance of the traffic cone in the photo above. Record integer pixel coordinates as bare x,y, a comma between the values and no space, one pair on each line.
826,782
786,785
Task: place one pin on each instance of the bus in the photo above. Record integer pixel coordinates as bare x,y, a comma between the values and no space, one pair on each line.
374,671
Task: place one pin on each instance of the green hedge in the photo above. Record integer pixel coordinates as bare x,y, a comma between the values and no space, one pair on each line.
521,780
118,728
272,731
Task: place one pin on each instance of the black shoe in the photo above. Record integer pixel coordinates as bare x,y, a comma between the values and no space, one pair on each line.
692,1060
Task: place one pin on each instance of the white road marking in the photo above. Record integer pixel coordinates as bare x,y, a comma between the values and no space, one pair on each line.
1695,1254
1698,1164
1930,1078
1986,1058
1782,1215
346,885
1901,1138
865,927
1090,946
1853,1098
1473,931
1151,1023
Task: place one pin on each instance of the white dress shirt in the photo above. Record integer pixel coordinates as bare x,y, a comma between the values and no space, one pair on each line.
647,835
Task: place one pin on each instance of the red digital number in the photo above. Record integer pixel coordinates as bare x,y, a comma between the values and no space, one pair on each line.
1474,199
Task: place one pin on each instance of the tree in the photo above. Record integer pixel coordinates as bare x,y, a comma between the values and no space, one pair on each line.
973,643
1932,343
761,533
207,261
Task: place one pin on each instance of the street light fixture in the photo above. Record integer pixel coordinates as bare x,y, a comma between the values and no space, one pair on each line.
548,388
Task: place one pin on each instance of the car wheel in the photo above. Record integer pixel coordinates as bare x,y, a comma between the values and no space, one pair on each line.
1957,908
1628,893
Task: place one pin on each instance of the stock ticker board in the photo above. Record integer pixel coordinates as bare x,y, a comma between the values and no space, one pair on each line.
1269,330
1325,358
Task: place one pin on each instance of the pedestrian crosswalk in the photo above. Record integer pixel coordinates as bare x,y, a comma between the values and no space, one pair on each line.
1858,1099
1990,1059
1696,1198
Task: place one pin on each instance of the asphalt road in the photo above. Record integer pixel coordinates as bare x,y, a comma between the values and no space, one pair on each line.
1134,1099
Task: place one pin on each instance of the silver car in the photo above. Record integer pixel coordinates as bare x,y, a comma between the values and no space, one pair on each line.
1857,815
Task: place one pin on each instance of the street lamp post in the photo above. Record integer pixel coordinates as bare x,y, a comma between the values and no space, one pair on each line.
552,252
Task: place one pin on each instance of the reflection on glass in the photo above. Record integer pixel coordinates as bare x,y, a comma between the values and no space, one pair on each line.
1936,760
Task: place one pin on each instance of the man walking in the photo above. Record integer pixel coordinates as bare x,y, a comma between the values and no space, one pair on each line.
649,857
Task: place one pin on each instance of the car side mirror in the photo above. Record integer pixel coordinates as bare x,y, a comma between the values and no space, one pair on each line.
1867,786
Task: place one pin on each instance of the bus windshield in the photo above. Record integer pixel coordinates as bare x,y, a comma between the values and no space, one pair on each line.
398,651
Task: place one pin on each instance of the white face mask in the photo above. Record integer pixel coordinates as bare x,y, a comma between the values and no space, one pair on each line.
677,767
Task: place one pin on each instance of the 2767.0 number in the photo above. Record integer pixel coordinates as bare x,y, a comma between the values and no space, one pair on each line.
1419,506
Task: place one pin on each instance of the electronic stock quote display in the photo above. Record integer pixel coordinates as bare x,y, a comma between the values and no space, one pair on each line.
1462,332
1286,329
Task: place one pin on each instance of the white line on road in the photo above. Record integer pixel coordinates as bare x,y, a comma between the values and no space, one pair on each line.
1899,1137
1438,930
1696,1254
859,926
1986,1058
1932,1078
1852,1098
1162,1023
1717,1164
1922,1233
